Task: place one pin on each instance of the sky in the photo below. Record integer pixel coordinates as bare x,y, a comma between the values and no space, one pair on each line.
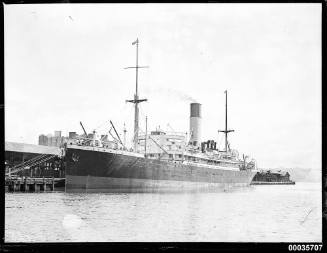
64,63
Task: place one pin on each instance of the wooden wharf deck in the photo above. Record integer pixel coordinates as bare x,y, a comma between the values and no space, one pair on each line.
271,183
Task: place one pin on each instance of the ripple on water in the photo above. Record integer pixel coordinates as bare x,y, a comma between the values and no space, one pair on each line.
262,213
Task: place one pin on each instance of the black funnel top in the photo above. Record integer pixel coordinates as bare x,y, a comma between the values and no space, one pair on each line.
195,110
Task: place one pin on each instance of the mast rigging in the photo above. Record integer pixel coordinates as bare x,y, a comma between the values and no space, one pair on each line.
226,131
136,99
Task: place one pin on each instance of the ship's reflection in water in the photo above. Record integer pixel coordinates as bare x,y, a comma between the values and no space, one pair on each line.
257,213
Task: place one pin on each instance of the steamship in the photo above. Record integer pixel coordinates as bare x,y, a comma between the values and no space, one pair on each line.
159,161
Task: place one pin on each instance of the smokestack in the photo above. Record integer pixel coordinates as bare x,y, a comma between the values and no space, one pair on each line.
195,124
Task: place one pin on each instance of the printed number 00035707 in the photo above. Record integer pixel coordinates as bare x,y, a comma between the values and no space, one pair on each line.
304,247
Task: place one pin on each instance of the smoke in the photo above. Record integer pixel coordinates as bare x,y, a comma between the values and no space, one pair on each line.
171,92
182,96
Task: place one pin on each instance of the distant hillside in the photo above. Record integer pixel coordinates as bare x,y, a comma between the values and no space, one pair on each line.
303,174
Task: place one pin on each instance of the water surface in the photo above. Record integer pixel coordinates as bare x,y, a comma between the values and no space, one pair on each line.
265,213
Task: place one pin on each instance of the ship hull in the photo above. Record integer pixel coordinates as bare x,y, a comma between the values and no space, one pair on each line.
99,170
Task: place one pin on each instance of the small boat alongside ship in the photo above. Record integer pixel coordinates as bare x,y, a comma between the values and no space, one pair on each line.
159,161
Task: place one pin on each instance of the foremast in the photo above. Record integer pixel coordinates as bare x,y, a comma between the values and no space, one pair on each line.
136,99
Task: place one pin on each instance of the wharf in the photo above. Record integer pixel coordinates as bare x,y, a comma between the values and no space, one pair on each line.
19,184
33,163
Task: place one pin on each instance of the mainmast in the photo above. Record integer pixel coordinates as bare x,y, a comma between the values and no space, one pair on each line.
136,99
146,134
226,131
125,135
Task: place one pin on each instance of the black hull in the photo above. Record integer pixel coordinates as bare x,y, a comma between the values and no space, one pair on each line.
100,171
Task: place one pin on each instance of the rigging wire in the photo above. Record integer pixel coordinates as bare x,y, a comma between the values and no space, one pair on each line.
168,125
141,115
220,141
98,127
128,116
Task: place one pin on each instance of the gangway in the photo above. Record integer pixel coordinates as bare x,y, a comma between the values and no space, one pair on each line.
31,163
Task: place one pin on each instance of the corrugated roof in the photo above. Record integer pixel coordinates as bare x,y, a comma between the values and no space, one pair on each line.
31,148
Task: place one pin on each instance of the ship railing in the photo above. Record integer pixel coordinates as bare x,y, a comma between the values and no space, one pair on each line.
82,138
91,139
212,158
177,134
105,145
174,133
175,137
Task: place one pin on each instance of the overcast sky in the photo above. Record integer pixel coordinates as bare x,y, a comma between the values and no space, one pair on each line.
65,63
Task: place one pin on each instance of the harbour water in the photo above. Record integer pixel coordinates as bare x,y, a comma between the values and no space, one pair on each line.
264,213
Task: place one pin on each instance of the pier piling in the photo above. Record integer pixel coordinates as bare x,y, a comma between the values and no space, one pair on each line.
25,185
33,184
